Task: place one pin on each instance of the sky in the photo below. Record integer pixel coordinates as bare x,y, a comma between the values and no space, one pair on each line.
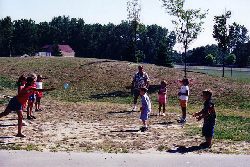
114,11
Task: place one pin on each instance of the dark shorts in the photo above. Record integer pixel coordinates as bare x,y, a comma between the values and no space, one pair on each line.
144,116
208,130
136,93
14,104
32,98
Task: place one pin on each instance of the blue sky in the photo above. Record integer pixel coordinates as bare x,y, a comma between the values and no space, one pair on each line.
105,11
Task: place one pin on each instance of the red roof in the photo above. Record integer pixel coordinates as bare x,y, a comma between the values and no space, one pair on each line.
63,48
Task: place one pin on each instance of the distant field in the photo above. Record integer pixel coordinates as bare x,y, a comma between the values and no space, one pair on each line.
240,74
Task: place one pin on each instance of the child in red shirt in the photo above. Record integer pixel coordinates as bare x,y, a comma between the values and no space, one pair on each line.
16,102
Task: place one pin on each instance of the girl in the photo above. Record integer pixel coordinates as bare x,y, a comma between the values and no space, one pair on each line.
21,84
39,95
162,97
183,99
16,102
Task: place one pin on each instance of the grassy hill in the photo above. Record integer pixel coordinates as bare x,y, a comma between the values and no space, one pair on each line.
108,81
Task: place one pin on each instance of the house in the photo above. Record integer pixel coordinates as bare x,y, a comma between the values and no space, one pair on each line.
56,50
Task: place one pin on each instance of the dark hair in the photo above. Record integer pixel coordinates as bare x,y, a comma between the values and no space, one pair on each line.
20,80
29,81
140,67
144,89
207,92
164,82
185,81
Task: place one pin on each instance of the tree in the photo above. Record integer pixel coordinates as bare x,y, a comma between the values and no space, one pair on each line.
230,60
220,33
188,23
210,59
134,9
6,35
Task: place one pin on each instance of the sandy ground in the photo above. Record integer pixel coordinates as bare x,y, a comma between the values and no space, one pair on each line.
95,126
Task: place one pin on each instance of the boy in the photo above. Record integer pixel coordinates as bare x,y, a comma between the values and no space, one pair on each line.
209,115
145,108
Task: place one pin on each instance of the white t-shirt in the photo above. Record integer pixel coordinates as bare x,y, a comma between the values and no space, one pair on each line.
184,89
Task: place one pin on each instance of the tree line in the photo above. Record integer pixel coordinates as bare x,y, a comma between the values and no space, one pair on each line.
154,44
150,44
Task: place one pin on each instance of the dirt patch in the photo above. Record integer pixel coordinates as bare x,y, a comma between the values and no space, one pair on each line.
103,127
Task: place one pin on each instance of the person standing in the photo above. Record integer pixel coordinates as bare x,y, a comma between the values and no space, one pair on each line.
140,80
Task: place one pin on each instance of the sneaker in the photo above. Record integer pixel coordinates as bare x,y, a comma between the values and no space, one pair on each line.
181,121
143,129
163,114
36,110
29,118
134,108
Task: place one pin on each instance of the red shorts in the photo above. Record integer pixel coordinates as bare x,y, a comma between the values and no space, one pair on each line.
162,99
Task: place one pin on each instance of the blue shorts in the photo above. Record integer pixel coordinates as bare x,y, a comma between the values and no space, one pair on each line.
14,104
208,130
144,115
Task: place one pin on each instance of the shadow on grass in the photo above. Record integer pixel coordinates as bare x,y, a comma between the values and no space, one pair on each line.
129,130
184,149
111,94
97,62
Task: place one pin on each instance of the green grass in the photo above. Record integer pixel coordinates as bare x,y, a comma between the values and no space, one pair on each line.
242,76
233,128
6,83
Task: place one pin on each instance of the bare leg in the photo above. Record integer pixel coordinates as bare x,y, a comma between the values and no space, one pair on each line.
20,121
159,108
209,140
184,112
164,108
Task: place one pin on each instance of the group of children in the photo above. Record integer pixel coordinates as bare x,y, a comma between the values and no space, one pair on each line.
29,92
207,113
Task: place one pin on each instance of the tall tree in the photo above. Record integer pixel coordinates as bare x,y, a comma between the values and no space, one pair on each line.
134,9
6,35
188,23
221,34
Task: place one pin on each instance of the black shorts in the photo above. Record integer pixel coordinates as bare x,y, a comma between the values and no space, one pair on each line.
136,92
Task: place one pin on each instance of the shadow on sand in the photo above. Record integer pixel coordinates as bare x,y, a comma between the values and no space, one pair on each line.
122,112
129,130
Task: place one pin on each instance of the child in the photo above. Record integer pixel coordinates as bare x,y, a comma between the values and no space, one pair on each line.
209,115
32,99
21,84
39,95
16,102
183,99
162,97
145,108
